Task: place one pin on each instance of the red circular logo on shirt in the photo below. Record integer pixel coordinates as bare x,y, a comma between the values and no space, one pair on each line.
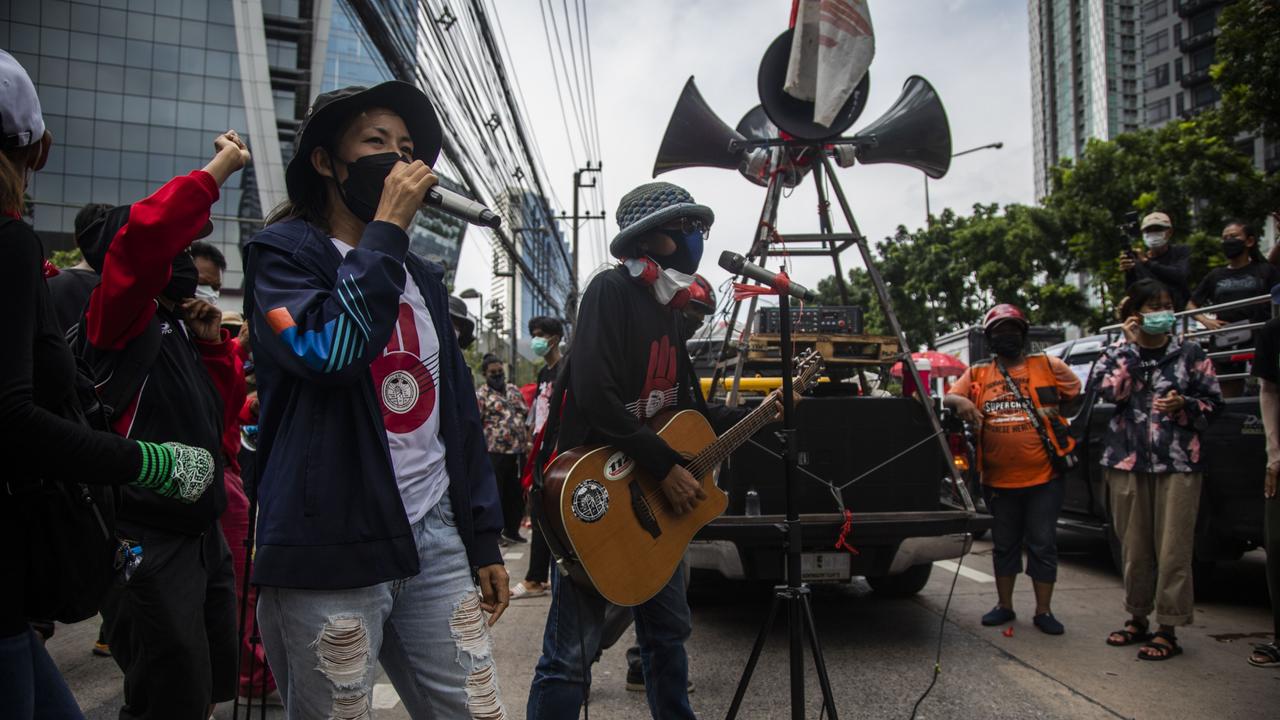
405,389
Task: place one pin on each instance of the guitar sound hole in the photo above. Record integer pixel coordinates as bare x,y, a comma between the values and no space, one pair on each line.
644,513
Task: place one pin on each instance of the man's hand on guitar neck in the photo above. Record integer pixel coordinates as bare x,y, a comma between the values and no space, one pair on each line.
682,489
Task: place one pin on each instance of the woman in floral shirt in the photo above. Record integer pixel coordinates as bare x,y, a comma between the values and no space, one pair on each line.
502,412
1165,392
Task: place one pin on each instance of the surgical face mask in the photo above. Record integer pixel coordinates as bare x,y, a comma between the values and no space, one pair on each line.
207,293
1232,248
666,284
541,346
1006,346
362,190
1157,323
1155,240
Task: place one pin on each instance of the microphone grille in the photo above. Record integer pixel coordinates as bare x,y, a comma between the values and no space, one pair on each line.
731,261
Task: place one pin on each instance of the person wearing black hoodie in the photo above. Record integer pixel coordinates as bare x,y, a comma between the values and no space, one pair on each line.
378,510
45,436
629,363
163,364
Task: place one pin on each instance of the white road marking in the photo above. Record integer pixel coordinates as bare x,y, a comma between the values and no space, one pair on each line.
385,697
512,555
965,572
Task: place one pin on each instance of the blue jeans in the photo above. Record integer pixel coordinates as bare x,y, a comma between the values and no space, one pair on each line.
428,632
30,684
572,639
1025,516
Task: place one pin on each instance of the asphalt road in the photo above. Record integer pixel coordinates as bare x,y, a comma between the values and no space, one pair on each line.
880,652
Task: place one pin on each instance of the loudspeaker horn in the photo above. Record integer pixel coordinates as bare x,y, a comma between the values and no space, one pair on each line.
794,116
695,136
913,132
758,164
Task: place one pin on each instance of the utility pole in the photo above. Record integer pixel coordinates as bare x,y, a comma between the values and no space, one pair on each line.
575,220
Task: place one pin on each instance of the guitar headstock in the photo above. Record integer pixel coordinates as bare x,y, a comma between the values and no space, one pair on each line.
808,369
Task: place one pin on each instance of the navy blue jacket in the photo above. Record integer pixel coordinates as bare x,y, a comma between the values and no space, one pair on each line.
329,510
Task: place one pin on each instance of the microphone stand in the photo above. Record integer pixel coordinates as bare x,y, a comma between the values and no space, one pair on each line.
795,595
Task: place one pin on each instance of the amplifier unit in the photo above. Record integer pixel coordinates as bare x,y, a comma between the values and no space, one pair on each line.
818,320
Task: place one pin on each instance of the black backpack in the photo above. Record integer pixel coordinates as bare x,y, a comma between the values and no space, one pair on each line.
70,527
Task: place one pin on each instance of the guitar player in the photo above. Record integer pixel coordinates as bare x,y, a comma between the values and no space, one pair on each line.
629,364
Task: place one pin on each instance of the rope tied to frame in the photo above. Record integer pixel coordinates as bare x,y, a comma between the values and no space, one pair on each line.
842,542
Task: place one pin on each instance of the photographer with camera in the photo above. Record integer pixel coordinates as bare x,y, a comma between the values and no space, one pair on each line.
1160,260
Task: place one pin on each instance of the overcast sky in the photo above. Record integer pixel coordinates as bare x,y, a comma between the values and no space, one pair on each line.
975,52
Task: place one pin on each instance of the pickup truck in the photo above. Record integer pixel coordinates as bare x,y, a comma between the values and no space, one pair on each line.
873,457
1230,519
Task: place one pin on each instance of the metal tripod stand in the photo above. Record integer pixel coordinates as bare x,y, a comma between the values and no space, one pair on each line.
795,594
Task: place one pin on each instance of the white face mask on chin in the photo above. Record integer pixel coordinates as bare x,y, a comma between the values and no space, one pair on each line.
668,283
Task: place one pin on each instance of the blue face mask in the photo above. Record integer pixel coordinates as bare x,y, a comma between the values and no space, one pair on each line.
1158,323
687,255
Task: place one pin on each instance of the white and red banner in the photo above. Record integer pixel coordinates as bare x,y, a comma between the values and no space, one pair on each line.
830,52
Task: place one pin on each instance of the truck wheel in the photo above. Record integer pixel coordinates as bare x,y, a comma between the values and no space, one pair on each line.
904,584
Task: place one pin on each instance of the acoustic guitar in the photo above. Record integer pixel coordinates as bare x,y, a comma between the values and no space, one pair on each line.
612,519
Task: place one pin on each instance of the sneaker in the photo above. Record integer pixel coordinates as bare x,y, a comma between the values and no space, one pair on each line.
999,616
1048,624
635,679
517,538
101,649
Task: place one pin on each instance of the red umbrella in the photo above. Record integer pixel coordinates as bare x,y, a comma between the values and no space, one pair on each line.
943,365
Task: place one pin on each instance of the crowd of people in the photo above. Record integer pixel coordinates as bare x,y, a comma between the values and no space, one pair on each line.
1165,391
146,425
191,475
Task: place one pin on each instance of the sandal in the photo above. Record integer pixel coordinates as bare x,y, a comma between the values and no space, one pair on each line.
521,591
1157,652
1270,653
1139,633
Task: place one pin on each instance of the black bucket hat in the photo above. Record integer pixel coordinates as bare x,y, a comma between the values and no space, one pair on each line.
330,110
466,326
95,239
650,206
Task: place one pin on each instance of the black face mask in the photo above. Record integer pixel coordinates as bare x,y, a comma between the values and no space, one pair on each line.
183,279
1006,346
497,382
690,324
362,189
1232,248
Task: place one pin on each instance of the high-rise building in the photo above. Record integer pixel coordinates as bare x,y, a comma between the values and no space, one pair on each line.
1179,41
134,92
1084,77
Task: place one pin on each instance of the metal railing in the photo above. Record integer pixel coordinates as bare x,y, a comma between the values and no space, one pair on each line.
1185,318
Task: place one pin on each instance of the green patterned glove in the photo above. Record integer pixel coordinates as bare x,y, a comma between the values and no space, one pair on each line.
175,470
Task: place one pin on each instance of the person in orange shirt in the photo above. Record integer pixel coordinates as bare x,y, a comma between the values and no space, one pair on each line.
1024,444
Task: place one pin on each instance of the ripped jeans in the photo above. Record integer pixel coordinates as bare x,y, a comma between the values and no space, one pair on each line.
427,631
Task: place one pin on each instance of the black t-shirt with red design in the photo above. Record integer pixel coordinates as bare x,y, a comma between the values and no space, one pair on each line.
628,364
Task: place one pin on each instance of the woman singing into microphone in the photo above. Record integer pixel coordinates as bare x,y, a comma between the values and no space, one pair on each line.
378,507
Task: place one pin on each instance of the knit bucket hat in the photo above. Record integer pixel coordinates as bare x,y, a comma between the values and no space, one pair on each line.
331,110
650,206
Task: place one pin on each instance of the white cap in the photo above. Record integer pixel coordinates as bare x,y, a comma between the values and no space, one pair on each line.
21,123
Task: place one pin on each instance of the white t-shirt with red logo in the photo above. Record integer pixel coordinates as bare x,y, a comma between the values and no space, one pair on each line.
406,376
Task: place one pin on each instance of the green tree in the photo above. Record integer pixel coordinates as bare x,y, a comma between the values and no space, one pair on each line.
1185,169
944,277
1247,72
63,259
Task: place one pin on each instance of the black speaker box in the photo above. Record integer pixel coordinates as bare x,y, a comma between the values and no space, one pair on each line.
839,438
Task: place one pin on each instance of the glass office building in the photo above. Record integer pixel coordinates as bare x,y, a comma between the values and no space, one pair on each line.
134,91
1084,77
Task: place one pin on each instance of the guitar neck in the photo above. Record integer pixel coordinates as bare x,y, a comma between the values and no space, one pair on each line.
716,453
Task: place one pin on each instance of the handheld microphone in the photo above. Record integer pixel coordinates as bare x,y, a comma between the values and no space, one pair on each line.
462,207
738,265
